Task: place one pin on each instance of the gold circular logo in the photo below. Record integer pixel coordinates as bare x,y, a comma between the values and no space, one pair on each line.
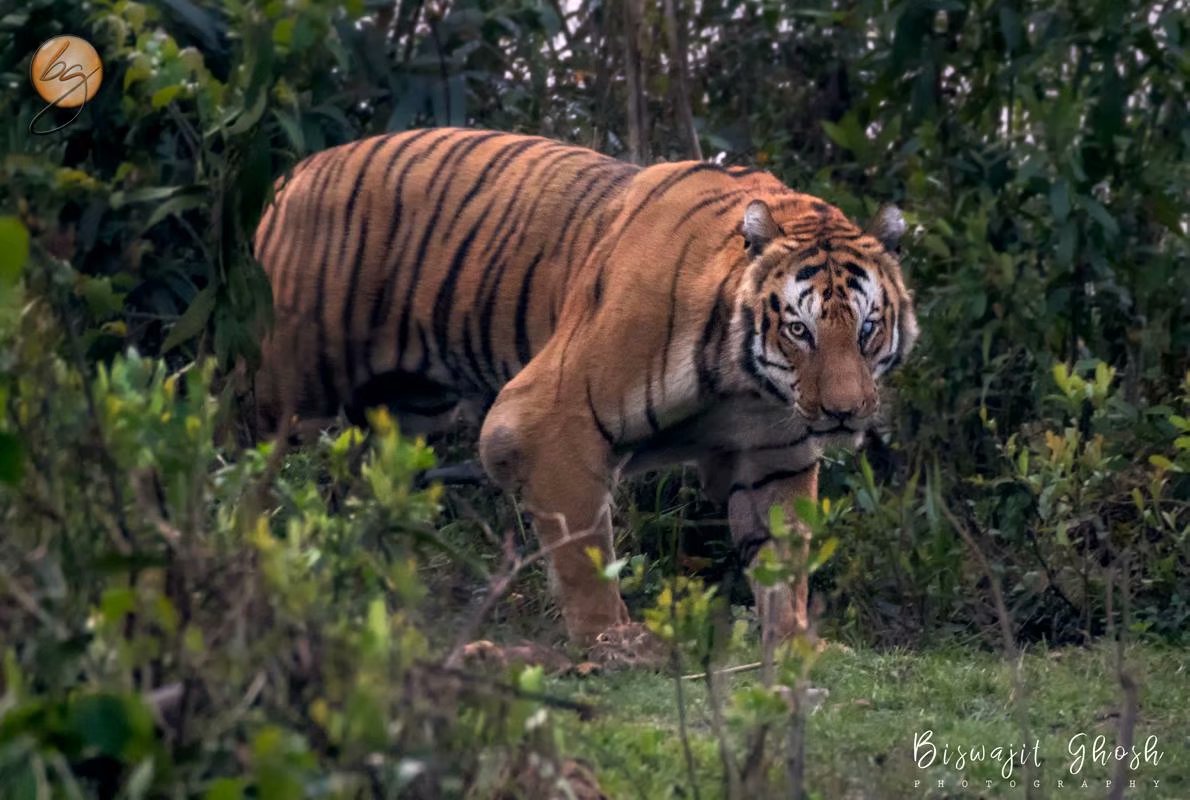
66,71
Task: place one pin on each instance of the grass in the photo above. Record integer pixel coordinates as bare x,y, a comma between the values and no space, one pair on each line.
860,742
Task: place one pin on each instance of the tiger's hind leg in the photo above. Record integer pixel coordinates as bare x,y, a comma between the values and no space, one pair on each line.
420,404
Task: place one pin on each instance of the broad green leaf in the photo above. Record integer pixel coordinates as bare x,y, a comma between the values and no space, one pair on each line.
1060,201
777,523
193,197
164,96
1062,377
249,116
191,323
112,725
1101,215
152,194
293,130
846,133
807,510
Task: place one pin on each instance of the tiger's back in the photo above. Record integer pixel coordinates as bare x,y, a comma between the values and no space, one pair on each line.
422,269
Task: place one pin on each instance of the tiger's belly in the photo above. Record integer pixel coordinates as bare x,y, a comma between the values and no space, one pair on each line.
747,429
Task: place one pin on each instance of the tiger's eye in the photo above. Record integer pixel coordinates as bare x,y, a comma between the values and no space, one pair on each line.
797,329
868,328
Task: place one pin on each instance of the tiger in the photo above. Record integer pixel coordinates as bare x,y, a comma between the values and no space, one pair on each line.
596,318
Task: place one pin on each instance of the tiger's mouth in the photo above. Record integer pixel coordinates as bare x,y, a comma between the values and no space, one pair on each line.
839,428
857,426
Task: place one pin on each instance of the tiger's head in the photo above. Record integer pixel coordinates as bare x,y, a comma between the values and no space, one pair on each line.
825,312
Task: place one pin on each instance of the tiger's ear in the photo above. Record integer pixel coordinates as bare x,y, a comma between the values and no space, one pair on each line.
759,227
888,226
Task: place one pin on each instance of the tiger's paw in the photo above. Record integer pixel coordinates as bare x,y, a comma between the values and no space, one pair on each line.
628,646
483,653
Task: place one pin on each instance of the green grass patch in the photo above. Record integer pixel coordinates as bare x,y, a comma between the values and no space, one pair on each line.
860,743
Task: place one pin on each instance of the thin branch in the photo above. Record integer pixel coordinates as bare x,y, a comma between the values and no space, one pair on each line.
795,751
585,711
30,604
1126,728
698,676
513,565
731,775
680,696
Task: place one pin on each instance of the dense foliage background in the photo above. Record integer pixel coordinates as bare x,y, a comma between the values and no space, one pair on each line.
270,605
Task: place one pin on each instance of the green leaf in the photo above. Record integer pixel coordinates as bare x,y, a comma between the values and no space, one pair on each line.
141,780
1103,377
846,133
112,725
226,789
192,197
292,127
531,679
101,297
1160,462
935,246
866,469
1067,241
116,603
777,525
164,96
1101,215
824,553
249,116
14,250
1062,377
807,510
1010,27
1060,201
283,32
12,459
193,321
152,194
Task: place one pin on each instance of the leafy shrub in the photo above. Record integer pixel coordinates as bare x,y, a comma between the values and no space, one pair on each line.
181,617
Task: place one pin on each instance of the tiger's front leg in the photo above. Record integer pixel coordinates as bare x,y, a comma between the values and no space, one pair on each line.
561,467
754,490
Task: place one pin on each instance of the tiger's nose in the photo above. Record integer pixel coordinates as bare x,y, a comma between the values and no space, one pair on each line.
839,414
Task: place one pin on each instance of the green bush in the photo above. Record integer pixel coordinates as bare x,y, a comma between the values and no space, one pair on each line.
181,617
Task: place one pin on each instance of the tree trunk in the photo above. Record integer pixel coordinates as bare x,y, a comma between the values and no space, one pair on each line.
638,123
679,75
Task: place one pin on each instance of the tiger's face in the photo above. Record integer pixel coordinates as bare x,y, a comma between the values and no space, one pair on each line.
828,313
